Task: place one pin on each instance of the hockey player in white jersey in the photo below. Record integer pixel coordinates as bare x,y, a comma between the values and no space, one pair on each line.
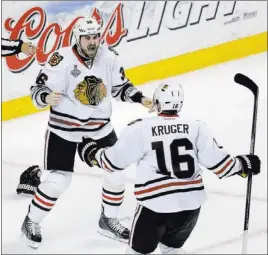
169,189
78,83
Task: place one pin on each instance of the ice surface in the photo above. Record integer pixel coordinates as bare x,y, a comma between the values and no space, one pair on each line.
210,95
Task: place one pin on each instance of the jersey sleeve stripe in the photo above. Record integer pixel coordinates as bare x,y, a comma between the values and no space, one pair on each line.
227,172
219,164
104,165
36,92
109,162
221,170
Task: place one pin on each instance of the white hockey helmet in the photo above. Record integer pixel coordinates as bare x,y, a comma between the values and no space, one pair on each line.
168,97
86,26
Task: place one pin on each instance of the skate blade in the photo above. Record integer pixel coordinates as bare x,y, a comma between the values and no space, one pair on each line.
31,244
110,235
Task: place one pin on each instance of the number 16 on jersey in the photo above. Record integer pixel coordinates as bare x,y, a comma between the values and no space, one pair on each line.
177,160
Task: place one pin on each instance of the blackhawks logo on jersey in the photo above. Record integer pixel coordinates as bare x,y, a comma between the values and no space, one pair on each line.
90,91
55,59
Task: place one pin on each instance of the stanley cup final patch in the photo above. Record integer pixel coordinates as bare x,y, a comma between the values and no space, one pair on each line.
75,72
55,59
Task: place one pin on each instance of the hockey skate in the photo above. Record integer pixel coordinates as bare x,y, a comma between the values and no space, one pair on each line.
31,233
112,228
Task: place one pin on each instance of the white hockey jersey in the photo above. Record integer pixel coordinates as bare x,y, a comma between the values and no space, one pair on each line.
168,152
85,106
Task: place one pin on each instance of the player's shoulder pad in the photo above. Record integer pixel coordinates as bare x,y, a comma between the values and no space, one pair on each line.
134,121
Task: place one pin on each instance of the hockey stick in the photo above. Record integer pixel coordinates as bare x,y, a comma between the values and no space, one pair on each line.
248,83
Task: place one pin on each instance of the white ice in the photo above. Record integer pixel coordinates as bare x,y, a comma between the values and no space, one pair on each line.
210,95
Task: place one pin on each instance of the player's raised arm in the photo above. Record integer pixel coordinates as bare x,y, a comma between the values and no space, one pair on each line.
122,88
49,82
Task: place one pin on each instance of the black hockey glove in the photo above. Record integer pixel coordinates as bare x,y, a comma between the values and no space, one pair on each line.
87,150
29,180
250,164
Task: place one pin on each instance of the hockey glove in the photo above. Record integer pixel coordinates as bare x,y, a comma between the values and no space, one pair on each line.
250,164
87,150
29,180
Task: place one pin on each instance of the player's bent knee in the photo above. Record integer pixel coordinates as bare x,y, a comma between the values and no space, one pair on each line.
58,181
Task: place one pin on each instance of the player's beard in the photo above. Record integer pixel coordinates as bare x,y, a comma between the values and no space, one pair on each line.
91,51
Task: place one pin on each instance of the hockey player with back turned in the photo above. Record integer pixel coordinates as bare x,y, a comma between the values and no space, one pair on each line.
78,83
169,189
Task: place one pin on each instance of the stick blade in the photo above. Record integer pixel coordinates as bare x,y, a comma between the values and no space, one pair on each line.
246,82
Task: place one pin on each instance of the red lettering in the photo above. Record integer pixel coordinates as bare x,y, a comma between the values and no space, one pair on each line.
66,41
63,39
112,39
113,33
96,15
24,24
